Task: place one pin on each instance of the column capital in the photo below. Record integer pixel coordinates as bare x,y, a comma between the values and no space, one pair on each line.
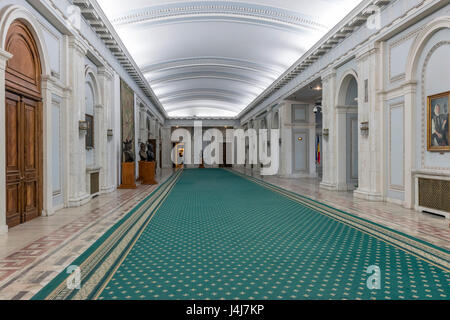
106,72
410,87
367,51
328,74
78,45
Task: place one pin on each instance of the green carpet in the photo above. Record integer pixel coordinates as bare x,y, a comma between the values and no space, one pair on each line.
214,234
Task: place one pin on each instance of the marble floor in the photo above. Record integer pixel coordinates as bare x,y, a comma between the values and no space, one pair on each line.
34,253
425,226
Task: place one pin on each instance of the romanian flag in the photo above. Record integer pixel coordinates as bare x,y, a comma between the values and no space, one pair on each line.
318,150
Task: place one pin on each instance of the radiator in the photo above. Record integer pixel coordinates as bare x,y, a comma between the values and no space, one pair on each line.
95,182
434,194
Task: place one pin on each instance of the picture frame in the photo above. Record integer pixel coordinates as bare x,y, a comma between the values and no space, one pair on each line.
438,133
90,132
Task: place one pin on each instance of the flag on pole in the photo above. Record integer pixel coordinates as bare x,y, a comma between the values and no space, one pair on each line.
318,155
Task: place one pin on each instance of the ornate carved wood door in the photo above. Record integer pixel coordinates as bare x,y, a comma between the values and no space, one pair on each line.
22,159
23,128
13,161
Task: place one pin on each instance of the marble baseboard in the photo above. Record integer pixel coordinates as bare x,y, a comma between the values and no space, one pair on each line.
328,186
73,203
105,190
370,196
3,230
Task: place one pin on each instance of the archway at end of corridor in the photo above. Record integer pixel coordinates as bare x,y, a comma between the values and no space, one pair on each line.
347,132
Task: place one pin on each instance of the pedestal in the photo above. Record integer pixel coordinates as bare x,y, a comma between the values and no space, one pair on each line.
148,173
141,163
128,176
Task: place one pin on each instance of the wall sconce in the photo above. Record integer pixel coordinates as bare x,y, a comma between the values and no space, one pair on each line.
110,133
326,132
364,128
83,126
317,109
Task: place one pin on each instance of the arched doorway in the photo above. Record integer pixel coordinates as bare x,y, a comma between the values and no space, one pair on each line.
348,133
23,115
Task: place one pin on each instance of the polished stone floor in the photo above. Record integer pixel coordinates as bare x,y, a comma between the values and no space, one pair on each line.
425,226
34,253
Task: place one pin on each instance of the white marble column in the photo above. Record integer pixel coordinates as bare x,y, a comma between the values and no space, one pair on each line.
328,118
77,160
409,91
257,166
105,78
341,148
47,140
4,56
286,140
166,147
157,151
100,141
142,122
370,72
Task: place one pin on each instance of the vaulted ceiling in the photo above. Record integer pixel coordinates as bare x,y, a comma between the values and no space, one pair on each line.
213,58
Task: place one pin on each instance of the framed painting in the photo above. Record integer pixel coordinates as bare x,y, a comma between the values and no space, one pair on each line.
90,132
127,117
438,123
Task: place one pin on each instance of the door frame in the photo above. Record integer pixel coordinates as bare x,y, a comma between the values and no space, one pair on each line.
307,141
8,15
13,84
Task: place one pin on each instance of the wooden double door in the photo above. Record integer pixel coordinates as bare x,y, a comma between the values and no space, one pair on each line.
23,130
22,159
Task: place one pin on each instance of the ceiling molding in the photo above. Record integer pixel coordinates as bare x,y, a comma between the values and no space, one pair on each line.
199,91
334,37
184,47
256,80
216,75
205,105
95,17
265,14
210,61
201,97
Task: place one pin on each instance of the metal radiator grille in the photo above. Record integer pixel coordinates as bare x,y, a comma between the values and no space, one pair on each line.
434,194
95,183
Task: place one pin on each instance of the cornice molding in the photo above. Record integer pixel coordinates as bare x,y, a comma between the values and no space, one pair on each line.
341,31
369,50
106,72
209,61
95,17
304,63
329,74
233,9
78,45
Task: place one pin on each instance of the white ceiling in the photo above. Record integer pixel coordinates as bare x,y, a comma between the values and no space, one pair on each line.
213,58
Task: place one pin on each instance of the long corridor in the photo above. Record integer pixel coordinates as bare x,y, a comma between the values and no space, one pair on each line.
216,234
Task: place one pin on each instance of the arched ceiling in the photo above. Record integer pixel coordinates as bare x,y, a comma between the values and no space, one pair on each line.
213,58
